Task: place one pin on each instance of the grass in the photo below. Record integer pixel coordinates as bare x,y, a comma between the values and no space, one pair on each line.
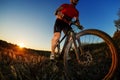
29,64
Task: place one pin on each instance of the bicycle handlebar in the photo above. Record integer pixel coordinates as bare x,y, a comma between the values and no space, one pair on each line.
79,26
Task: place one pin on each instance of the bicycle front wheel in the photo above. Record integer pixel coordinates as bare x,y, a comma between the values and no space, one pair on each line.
97,56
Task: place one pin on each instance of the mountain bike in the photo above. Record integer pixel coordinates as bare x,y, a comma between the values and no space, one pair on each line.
88,54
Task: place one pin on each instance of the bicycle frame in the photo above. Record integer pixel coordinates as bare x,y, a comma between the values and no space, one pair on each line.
65,43
70,35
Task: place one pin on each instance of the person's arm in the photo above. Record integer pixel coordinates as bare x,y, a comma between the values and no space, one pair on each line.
77,23
58,10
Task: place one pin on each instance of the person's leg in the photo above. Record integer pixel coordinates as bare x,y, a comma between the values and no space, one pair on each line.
54,41
58,27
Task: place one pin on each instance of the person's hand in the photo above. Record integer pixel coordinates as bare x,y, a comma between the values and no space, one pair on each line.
77,23
80,27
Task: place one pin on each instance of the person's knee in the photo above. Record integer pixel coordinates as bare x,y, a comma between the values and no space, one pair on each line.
55,38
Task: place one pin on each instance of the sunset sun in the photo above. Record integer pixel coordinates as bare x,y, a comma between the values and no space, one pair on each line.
21,45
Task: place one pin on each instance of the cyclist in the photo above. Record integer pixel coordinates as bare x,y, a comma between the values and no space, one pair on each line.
64,14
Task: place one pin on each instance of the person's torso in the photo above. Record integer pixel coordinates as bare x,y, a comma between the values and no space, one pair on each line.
69,10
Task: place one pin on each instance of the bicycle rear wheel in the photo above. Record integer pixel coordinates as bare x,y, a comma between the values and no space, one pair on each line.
98,59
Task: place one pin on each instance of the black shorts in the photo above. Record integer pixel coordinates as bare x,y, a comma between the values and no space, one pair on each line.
60,25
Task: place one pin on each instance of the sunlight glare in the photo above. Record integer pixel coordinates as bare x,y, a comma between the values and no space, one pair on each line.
21,45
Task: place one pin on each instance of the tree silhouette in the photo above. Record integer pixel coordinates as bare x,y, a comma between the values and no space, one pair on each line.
117,22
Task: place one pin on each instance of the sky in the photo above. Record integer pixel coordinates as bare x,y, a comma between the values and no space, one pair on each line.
31,21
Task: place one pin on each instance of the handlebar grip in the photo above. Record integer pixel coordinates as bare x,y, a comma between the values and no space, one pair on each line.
80,27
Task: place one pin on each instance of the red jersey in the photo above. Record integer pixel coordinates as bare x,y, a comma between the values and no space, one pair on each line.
69,10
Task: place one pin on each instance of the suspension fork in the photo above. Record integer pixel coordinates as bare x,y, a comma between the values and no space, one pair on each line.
75,45
80,47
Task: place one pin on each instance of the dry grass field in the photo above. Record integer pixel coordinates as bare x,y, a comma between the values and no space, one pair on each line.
28,64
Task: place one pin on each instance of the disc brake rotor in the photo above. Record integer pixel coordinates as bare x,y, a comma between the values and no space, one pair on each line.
86,59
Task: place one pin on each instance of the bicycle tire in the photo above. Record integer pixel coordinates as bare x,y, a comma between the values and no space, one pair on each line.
109,42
